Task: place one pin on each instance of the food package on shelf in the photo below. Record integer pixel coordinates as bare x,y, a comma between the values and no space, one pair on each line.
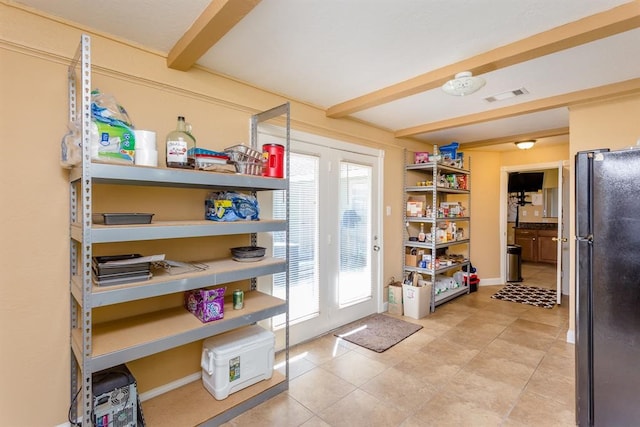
231,206
444,283
206,304
112,133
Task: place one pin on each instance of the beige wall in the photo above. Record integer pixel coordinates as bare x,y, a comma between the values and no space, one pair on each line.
485,200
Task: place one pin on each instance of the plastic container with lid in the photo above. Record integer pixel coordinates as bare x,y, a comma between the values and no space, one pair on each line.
237,359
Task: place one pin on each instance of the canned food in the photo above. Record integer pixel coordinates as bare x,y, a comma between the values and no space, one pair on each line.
238,299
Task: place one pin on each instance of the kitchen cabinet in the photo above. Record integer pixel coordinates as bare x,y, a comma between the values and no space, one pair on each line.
527,239
99,345
547,246
437,200
537,245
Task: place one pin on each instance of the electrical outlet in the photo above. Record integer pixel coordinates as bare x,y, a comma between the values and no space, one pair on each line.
536,213
524,213
388,210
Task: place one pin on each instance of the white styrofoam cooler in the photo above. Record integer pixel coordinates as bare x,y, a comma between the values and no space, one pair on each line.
237,359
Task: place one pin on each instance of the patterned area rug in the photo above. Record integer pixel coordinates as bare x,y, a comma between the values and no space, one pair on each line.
377,332
545,298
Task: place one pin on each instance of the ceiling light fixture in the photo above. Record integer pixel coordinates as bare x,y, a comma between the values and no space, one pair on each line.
463,84
525,145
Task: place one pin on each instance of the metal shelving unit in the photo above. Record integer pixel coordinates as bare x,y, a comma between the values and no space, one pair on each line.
97,347
434,194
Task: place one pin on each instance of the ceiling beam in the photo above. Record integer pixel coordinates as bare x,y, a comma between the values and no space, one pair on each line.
214,22
558,101
617,20
547,133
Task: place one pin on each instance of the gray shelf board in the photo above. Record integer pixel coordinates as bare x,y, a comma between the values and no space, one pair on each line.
453,218
246,405
410,244
418,270
202,331
431,272
430,189
419,189
420,219
177,230
103,173
453,243
218,273
451,267
451,294
430,165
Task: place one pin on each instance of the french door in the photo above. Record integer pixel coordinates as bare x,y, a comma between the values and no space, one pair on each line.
333,238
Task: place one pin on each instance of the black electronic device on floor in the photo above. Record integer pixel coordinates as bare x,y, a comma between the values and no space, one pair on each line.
115,399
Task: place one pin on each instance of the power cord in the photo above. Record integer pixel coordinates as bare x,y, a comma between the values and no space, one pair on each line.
75,422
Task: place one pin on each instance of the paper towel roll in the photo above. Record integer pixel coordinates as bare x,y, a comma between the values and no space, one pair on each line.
146,157
145,140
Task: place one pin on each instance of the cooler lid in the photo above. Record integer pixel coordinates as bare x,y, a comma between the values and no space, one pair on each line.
238,338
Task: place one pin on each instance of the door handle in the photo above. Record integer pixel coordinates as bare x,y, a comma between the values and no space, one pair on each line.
376,248
563,239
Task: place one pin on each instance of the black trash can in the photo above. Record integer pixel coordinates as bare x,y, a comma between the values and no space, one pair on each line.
514,263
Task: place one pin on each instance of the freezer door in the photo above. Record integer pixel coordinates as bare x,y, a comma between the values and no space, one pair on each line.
616,288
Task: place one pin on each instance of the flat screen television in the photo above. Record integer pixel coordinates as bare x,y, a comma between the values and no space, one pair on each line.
527,182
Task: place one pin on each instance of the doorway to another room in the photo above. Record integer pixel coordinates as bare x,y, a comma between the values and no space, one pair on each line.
533,225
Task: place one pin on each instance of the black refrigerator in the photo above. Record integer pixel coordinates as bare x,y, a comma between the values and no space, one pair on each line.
608,288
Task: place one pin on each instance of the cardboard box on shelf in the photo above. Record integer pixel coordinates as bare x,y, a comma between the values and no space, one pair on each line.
395,298
417,300
411,258
416,206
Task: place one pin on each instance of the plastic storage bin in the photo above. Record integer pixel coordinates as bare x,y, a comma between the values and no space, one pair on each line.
237,359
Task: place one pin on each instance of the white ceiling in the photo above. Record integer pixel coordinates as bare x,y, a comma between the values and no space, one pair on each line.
325,52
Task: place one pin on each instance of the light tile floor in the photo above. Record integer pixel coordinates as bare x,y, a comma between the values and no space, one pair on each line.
477,362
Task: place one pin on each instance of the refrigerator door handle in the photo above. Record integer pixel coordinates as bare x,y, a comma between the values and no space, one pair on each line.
588,238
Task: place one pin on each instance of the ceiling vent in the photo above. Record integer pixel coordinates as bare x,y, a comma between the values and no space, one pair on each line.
506,95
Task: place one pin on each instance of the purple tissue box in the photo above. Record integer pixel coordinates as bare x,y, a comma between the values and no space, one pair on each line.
206,304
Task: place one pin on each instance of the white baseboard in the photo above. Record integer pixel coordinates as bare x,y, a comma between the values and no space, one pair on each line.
571,336
491,281
170,386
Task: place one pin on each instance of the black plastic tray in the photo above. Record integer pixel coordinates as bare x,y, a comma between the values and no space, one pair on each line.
122,218
101,269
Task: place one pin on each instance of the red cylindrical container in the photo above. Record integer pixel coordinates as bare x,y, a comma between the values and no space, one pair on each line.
273,156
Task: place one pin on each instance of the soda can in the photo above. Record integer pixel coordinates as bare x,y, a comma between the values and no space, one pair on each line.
238,299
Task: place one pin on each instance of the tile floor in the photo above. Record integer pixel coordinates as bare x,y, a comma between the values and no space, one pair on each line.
477,362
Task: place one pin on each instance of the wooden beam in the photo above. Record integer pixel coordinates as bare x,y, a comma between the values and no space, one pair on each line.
565,100
514,138
216,21
617,20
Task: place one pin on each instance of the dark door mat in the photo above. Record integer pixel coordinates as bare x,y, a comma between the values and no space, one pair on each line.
377,332
545,298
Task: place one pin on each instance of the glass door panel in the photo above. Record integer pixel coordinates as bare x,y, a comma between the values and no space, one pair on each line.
303,241
354,278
